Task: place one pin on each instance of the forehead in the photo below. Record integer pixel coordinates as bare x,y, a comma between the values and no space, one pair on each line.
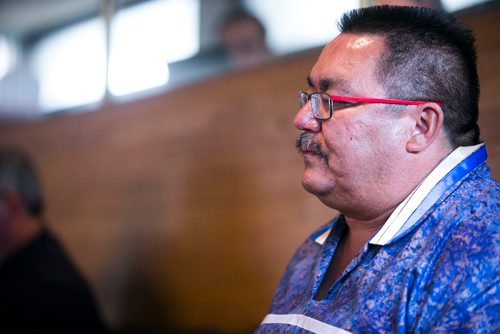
347,64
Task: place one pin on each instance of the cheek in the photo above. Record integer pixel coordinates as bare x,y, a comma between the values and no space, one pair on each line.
343,144
342,137
334,140
360,142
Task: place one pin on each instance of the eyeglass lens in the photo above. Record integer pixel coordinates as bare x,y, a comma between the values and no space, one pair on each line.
320,104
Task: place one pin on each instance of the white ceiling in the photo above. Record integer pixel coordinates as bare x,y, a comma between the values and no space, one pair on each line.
24,18
21,18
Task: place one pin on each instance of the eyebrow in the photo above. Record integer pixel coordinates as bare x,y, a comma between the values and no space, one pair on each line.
330,83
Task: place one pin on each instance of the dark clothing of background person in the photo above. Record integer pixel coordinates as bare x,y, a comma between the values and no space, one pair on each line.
41,290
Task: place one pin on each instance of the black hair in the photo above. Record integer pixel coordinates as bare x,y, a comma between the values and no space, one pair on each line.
18,173
429,55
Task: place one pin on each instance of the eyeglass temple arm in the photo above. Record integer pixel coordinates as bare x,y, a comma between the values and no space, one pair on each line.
375,100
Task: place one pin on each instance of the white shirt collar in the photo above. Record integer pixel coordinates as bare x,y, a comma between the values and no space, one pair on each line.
406,208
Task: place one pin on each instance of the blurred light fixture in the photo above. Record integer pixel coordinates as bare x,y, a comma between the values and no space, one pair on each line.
71,63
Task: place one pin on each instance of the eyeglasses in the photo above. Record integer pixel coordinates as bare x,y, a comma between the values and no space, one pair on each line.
322,103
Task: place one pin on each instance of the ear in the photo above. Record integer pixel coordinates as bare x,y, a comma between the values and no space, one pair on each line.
429,119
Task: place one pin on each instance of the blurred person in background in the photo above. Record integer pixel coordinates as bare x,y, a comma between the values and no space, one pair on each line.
390,140
241,43
40,288
436,4
243,39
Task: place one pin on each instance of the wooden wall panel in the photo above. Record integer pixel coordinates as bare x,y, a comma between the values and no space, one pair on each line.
486,24
182,209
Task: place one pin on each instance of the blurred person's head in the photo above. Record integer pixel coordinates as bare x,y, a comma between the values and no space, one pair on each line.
18,175
436,4
21,200
243,38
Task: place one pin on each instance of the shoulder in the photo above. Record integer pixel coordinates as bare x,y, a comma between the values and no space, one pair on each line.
479,184
476,199
460,263
47,268
469,220
466,237
460,239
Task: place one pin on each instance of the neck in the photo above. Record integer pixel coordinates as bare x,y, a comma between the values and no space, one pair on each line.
361,230
364,226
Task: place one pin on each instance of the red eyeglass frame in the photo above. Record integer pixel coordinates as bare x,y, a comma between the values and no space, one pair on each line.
375,100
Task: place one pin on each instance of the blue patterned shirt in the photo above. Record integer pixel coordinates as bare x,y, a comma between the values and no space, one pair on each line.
433,266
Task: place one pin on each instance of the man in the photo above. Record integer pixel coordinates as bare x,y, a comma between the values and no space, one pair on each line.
390,140
40,289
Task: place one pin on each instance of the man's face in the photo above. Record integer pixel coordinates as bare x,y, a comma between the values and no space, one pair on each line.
351,159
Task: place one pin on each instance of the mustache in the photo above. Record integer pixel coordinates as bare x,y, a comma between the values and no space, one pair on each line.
305,142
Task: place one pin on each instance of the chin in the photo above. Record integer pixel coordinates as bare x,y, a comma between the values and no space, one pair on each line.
316,186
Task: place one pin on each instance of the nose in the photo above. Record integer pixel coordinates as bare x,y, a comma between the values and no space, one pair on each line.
305,121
